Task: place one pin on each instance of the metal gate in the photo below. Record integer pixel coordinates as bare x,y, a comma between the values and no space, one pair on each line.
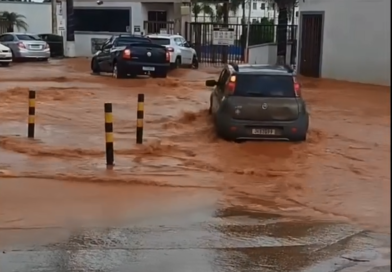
200,36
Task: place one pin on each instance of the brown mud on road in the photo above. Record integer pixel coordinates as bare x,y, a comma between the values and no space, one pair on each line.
341,174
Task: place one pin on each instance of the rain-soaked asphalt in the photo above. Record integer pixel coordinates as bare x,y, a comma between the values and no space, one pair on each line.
185,200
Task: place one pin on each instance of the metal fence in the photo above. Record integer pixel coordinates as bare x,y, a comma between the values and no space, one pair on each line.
201,35
158,27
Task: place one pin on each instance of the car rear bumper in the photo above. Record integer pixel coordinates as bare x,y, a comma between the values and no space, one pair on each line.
28,54
232,129
140,68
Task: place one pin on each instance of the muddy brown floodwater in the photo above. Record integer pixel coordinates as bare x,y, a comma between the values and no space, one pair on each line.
56,187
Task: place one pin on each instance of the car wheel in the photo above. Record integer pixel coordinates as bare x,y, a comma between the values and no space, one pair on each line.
94,66
210,108
117,73
299,138
13,56
5,64
44,59
195,63
177,65
162,74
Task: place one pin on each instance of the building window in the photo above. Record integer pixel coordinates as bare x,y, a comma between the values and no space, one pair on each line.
101,20
262,6
254,5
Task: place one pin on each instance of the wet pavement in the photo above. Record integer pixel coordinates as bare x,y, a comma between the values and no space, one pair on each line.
186,200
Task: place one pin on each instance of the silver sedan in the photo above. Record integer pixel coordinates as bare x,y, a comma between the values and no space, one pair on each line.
25,46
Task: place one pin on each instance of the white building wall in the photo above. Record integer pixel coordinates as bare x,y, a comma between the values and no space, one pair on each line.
356,40
38,15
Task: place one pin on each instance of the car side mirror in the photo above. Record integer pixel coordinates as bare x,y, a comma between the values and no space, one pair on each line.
211,83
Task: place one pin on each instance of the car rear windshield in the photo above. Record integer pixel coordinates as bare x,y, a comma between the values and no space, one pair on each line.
129,40
25,37
160,41
264,86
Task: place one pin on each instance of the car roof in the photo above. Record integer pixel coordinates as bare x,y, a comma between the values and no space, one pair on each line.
164,36
263,69
18,33
129,36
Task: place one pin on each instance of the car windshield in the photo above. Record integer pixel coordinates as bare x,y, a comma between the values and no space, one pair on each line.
264,86
160,41
129,40
27,37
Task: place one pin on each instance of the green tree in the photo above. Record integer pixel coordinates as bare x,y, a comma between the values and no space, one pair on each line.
13,20
201,7
219,13
196,10
285,7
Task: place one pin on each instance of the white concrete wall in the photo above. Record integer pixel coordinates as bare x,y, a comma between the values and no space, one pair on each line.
265,54
38,15
357,39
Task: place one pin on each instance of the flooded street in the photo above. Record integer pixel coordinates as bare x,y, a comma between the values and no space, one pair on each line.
186,200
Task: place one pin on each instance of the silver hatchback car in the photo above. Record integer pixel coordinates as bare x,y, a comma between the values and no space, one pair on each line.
251,102
26,46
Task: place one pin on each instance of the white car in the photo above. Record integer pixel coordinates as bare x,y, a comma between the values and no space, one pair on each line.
181,52
5,55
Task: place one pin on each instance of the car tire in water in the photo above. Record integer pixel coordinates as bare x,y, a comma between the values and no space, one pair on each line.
210,108
177,65
118,73
195,63
94,66
299,138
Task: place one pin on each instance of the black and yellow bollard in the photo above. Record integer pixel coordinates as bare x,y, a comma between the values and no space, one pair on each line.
109,134
31,120
140,117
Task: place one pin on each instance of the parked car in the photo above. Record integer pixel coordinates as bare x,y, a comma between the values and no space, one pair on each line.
5,55
56,44
253,102
26,46
181,52
131,55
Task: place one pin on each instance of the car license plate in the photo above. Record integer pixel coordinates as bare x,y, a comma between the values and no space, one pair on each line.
148,68
2,55
263,131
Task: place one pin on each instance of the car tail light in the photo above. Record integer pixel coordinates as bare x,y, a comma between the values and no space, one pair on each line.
297,88
167,56
231,84
170,49
127,54
21,45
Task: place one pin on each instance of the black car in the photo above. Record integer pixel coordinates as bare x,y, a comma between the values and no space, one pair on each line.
131,55
252,102
55,42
